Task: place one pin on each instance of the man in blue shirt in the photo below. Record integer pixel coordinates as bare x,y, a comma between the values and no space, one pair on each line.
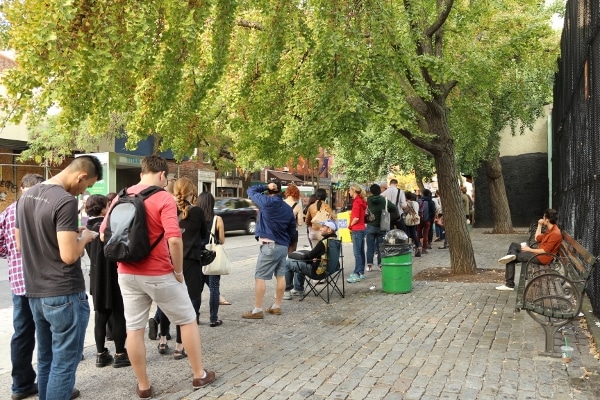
275,227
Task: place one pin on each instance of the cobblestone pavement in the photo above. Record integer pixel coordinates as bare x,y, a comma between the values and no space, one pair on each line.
441,341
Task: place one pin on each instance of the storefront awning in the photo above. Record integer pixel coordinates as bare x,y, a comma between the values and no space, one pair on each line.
284,177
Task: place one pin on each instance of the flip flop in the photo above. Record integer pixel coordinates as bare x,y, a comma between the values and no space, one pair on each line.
225,303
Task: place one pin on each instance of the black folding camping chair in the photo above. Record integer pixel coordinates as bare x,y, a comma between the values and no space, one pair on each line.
334,274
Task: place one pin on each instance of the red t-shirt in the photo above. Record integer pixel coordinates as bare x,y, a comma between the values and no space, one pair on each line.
359,207
550,242
161,215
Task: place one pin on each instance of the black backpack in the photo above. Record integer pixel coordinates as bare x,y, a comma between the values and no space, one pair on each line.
126,235
423,210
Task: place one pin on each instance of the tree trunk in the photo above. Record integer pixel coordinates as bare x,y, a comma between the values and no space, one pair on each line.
441,146
462,256
498,199
246,181
419,179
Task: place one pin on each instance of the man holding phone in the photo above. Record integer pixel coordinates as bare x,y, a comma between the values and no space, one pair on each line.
549,242
51,244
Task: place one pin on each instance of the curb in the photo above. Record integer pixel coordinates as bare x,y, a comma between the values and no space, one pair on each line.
593,326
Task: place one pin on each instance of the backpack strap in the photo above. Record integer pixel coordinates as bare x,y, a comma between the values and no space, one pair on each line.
162,234
149,191
397,197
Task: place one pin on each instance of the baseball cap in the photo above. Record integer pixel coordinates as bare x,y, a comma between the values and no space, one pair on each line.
330,224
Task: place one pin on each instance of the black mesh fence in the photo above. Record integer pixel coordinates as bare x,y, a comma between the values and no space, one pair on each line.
576,132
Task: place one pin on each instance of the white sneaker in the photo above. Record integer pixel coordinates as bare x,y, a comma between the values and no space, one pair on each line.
295,292
507,258
286,295
504,287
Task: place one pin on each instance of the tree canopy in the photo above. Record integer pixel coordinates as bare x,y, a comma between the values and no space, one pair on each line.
265,81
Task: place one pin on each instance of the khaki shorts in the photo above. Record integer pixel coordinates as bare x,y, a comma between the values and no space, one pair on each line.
171,296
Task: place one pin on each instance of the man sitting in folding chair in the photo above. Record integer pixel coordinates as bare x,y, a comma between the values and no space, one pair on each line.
320,263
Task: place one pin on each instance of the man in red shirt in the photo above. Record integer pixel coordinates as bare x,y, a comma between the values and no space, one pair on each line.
549,242
159,278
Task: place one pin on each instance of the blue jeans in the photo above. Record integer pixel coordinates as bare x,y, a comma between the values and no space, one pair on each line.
60,324
358,247
439,232
213,282
289,280
374,239
299,269
22,345
412,234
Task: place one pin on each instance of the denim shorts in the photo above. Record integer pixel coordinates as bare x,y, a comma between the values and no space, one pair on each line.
169,294
271,261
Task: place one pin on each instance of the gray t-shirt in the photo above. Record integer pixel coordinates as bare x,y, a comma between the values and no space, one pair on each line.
42,211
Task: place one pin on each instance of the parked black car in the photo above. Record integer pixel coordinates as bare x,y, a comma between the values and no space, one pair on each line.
237,213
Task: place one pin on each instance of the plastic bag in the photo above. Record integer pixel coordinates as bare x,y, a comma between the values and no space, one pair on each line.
395,236
390,250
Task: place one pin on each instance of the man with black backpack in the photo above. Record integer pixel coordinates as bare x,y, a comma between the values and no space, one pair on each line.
157,277
427,216
396,195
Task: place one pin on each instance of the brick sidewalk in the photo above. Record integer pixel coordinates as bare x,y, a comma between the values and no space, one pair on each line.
442,340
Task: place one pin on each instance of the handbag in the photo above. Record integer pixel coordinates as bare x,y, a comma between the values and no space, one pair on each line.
369,217
320,216
221,264
411,218
385,219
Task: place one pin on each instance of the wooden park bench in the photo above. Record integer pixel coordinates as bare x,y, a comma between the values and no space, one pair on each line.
552,294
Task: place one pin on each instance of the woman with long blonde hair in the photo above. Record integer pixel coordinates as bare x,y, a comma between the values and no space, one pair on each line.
193,231
358,230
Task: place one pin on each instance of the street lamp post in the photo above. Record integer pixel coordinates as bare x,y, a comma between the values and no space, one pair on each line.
318,159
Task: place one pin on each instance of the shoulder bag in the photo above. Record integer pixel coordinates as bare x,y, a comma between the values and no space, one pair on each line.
221,264
369,217
385,219
411,218
320,216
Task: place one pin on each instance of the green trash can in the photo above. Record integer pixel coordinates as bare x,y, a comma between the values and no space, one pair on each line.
396,270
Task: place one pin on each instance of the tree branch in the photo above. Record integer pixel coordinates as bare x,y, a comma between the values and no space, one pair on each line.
441,19
421,144
447,88
250,25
